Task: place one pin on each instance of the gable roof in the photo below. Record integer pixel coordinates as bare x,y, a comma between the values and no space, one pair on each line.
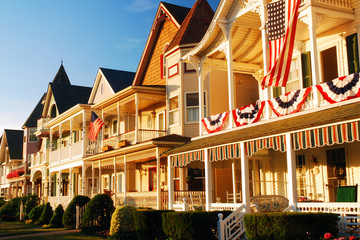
14,139
66,96
195,24
61,76
173,12
31,121
118,79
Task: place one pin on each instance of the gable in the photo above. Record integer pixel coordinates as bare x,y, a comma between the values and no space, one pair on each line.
102,91
152,74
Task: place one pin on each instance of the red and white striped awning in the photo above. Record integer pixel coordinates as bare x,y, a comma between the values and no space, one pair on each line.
184,159
277,143
220,153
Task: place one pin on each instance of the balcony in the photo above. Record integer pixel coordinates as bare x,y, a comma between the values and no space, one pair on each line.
64,153
41,130
336,4
39,159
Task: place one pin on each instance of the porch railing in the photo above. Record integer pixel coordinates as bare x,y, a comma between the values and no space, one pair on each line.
232,227
41,122
193,199
147,134
38,159
344,4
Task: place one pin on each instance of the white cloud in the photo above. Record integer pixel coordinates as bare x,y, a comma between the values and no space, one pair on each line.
141,6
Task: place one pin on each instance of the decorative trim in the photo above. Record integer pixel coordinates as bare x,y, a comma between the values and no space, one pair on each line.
177,70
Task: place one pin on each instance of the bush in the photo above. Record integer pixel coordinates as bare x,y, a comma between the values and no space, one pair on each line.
35,213
191,225
2,202
97,214
46,214
29,201
148,224
69,217
122,221
56,220
289,225
11,209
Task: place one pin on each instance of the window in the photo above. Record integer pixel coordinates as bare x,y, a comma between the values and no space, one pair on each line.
329,64
161,121
114,127
120,182
173,110
192,106
196,179
352,53
53,111
300,176
32,137
163,62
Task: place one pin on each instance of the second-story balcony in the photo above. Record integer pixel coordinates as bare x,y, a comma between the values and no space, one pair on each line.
63,154
42,131
39,159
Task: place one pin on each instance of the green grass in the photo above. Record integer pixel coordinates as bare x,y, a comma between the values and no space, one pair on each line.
79,236
19,228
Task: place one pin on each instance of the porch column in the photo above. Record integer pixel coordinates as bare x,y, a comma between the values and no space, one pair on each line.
32,187
99,191
84,137
136,117
118,121
158,190
208,181
245,178
17,189
314,55
233,168
50,181
83,179
71,138
60,142
225,26
45,182
59,191
125,178
92,179
24,187
291,167
71,191
170,184
115,178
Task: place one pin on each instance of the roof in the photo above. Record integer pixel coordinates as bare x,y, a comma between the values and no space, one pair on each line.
61,76
31,121
172,138
290,123
66,96
117,79
15,143
178,12
195,24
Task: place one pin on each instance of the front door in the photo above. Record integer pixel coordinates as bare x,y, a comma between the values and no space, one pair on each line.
336,169
152,179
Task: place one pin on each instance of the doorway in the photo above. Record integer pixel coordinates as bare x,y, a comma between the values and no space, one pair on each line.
336,170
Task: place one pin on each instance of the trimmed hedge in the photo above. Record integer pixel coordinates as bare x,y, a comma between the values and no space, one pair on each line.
122,220
148,224
29,201
191,225
56,220
97,214
11,210
289,225
46,214
69,217
35,213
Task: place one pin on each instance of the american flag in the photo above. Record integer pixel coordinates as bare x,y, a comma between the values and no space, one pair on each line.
280,45
95,125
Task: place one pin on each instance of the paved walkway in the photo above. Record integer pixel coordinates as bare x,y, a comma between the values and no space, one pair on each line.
24,236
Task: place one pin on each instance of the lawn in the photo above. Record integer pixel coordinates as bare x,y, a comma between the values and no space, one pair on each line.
18,228
79,236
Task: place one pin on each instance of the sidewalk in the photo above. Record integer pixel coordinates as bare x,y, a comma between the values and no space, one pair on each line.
24,236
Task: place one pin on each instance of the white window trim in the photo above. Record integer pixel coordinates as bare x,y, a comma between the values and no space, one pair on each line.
158,120
185,106
178,109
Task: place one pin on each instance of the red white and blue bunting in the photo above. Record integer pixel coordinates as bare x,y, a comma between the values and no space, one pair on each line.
224,152
184,159
248,114
340,89
277,143
215,122
289,103
319,137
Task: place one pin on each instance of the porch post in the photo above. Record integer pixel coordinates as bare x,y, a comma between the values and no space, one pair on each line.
71,138
32,187
50,181
170,185
291,167
60,142
17,189
59,191
125,179
118,121
99,191
84,137
71,192
92,179
233,168
83,179
208,181
136,117
115,178
314,55
45,183
158,190
245,177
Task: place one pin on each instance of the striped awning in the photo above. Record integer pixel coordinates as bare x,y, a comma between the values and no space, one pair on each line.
184,159
229,151
277,143
341,133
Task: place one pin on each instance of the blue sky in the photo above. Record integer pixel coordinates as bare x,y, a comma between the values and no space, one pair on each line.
36,35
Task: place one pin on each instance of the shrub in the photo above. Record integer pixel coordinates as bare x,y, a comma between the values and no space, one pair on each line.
2,202
56,220
289,225
69,217
11,209
46,214
97,214
148,224
191,225
29,201
122,221
35,213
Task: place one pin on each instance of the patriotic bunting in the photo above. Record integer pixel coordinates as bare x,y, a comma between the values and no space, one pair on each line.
341,88
215,122
184,159
277,143
224,152
289,103
248,114
342,133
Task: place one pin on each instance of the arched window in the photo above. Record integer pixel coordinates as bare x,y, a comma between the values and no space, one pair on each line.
53,111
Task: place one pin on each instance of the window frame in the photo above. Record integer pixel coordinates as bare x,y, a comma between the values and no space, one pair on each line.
174,110
186,107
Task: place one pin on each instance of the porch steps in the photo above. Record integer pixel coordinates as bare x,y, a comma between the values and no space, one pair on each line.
232,227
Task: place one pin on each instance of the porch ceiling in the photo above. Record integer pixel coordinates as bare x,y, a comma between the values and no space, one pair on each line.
290,123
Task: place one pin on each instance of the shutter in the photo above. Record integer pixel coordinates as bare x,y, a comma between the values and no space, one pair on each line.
352,53
306,69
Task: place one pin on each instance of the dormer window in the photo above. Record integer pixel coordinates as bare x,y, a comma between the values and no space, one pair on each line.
53,111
